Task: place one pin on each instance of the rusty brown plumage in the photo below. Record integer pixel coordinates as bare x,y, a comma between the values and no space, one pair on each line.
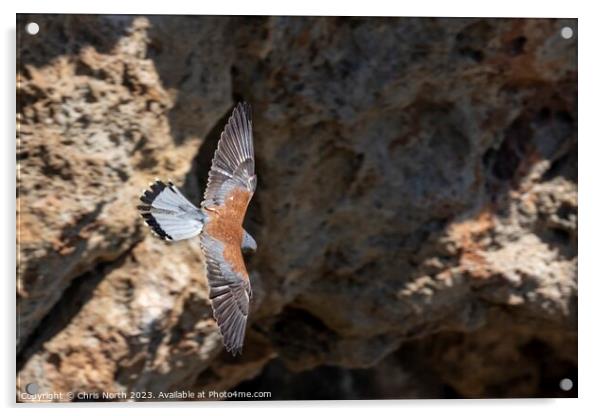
230,187
225,224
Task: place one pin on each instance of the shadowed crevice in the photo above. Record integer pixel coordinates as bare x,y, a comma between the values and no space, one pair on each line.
73,299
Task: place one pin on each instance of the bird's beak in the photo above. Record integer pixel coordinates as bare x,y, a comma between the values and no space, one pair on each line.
248,243
249,250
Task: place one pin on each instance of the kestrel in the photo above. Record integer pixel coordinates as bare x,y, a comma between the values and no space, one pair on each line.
218,220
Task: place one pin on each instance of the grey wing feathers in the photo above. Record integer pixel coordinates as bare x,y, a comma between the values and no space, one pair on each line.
169,214
233,163
229,294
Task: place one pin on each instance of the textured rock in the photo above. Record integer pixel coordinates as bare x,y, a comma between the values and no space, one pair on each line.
417,195
94,130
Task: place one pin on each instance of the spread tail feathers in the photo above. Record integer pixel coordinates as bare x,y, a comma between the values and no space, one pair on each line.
169,214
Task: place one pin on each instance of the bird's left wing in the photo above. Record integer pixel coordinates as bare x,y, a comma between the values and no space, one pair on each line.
229,291
233,165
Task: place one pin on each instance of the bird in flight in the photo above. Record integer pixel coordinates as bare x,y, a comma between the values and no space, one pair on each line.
218,220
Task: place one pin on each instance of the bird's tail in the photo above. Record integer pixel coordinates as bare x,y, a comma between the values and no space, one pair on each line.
169,214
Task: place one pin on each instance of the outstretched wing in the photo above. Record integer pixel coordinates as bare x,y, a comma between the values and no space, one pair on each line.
233,164
230,187
229,293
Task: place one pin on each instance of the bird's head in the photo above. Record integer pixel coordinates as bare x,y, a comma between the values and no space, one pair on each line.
248,243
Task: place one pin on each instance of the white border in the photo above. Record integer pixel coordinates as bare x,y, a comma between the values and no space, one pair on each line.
506,8
590,176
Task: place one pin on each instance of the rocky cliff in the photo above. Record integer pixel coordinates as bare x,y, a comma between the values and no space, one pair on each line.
416,210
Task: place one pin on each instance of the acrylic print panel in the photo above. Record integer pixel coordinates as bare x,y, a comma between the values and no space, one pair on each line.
345,208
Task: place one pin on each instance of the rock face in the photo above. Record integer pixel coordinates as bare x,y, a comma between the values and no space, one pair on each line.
416,209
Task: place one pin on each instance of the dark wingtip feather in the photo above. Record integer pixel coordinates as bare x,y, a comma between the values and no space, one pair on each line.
230,319
242,110
235,350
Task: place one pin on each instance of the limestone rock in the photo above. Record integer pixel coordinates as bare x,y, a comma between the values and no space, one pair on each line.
416,205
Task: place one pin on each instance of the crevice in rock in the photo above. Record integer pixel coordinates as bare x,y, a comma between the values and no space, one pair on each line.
299,337
394,377
72,300
502,359
196,178
564,166
67,35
